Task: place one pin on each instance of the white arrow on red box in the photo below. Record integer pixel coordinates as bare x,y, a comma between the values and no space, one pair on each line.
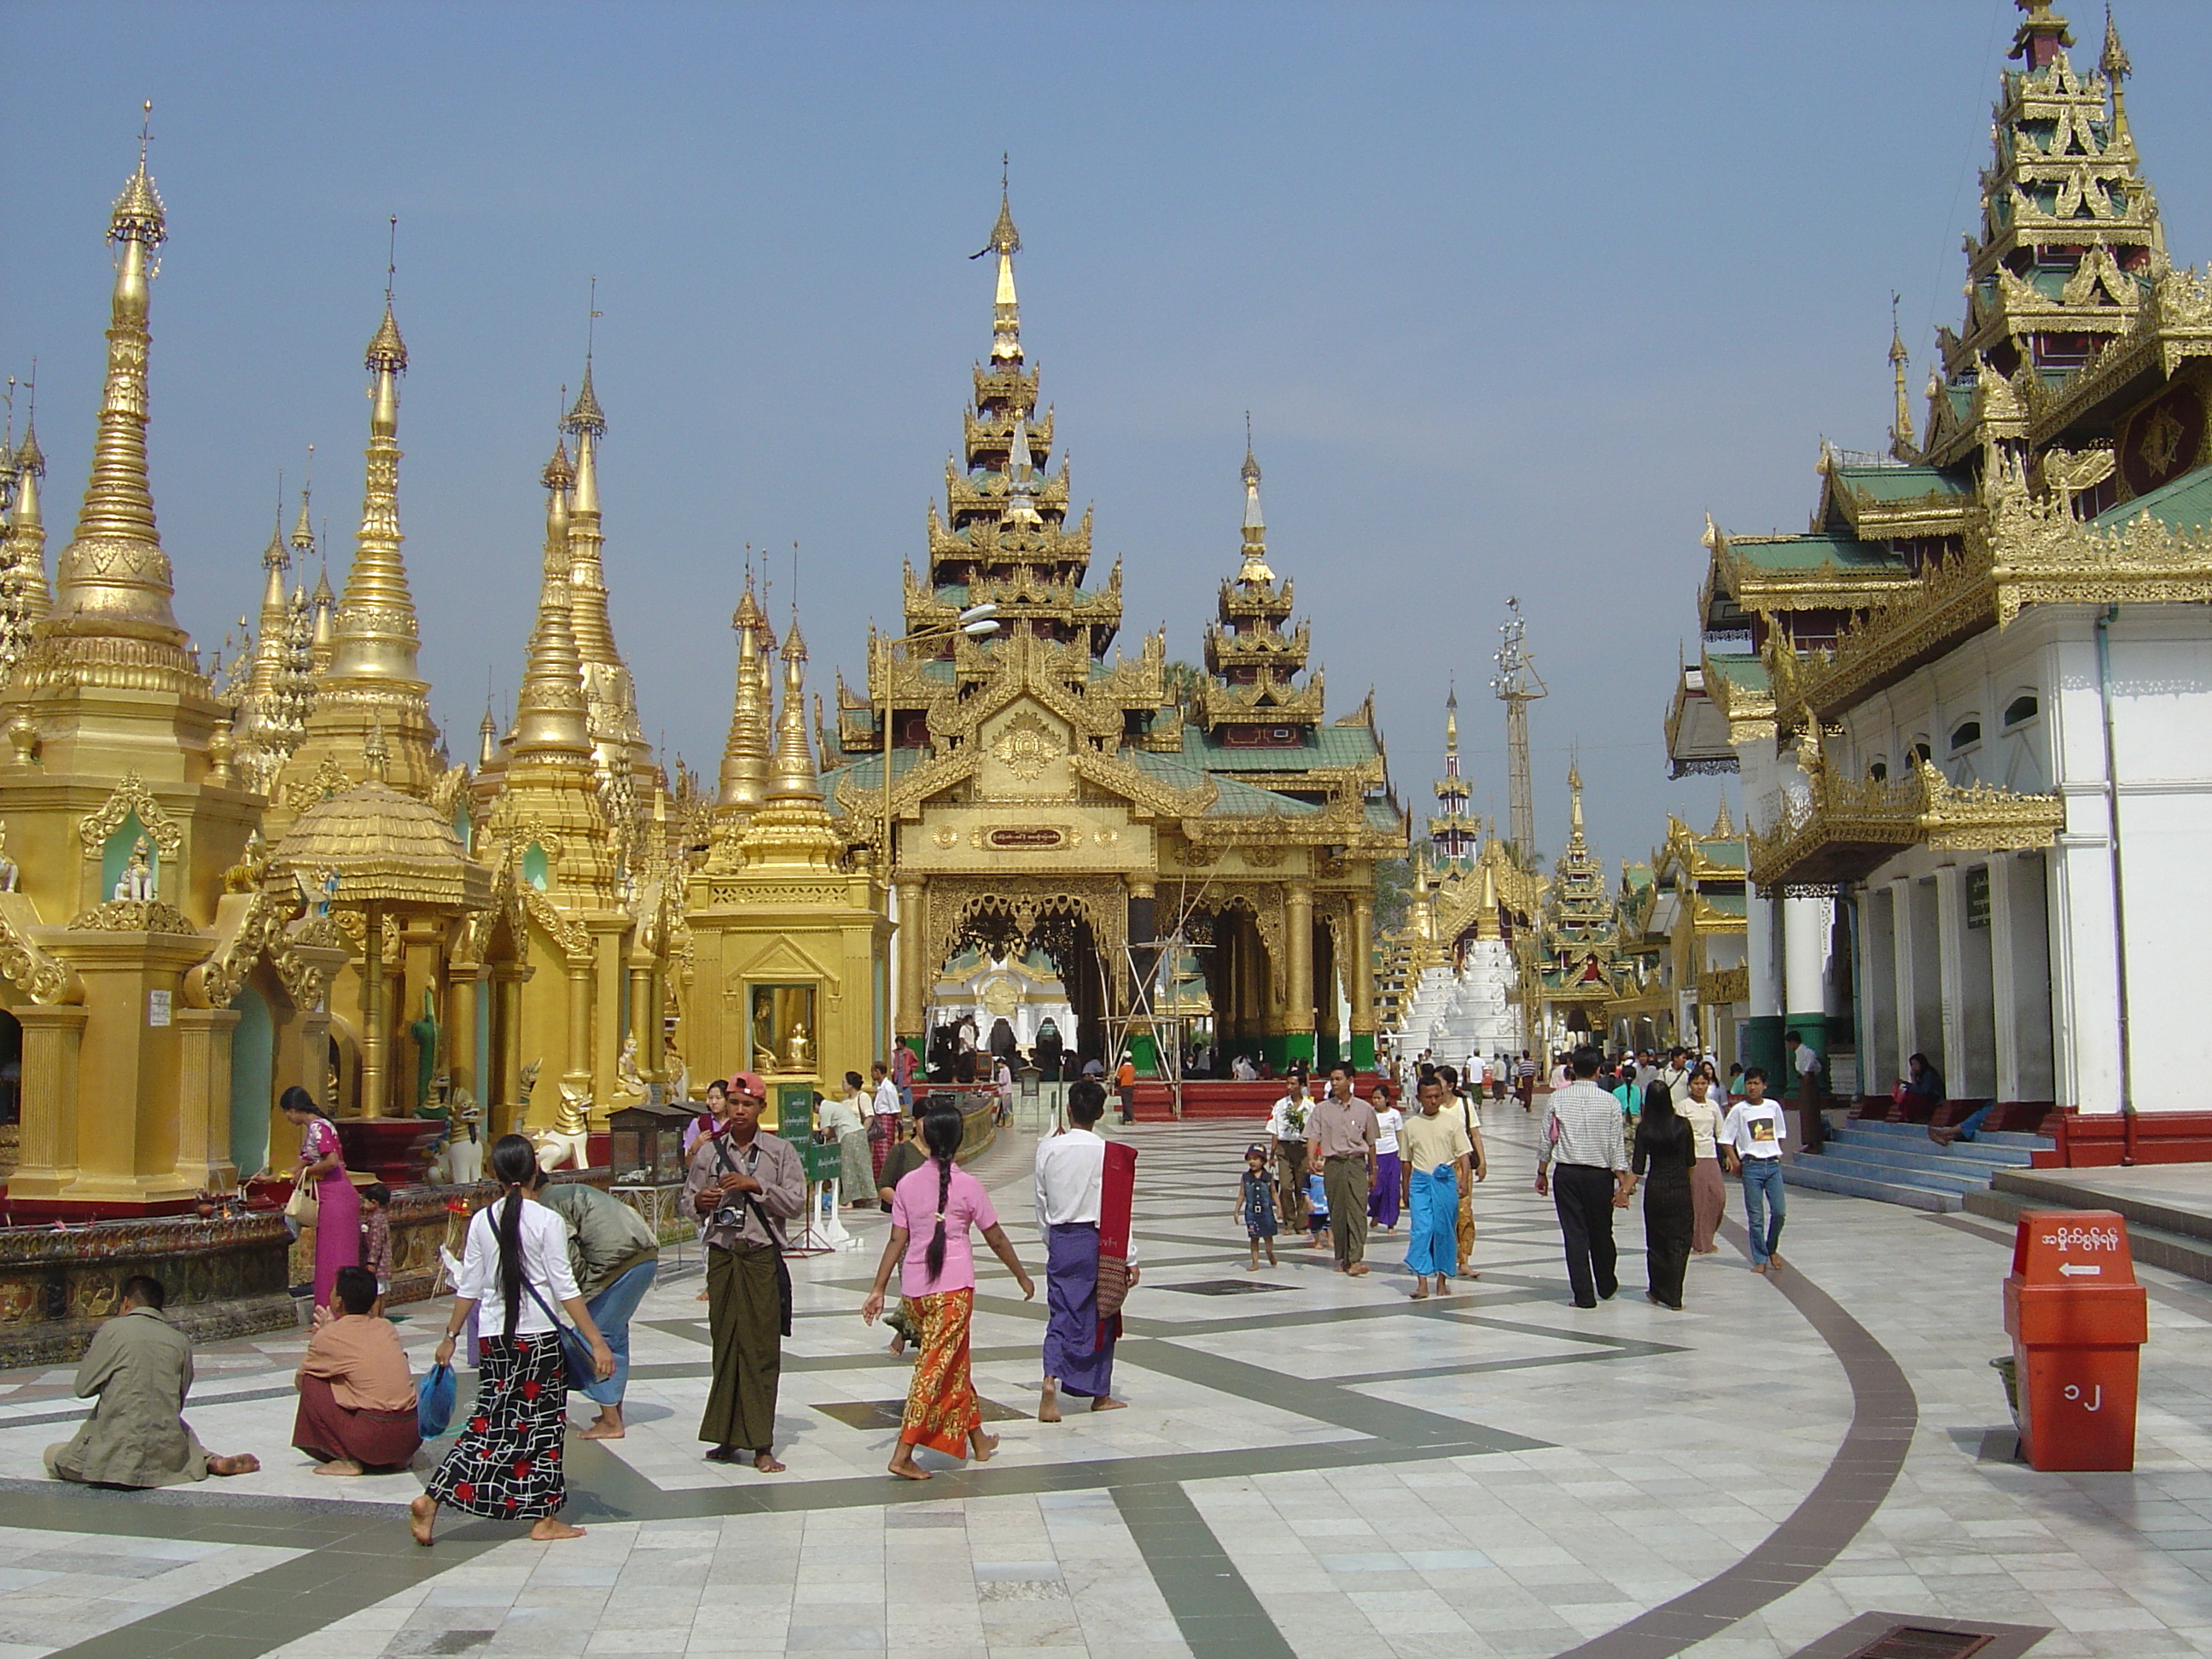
2074,1269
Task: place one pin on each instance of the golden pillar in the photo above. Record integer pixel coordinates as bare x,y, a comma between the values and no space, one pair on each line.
912,927
48,1154
204,1098
642,1027
505,1091
375,1085
579,1072
1298,946
608,983
461,1028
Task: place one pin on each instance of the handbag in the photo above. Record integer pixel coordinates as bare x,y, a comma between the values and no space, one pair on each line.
576,1351
433,1402
303,1207
1113,1286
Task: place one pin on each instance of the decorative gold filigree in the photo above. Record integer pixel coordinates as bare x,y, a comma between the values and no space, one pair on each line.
131,796
135,916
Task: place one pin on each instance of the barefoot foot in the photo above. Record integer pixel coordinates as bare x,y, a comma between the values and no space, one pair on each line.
981,1446
420,1515
902,1465
1108,1403
600,1430
1048,1407
340,1467
764,1461
244,1463
551,1527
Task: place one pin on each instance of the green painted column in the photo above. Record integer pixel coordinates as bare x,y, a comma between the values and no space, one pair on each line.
1363,1051
1145,1051
1762,1046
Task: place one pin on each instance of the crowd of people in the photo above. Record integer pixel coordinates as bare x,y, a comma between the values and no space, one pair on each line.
552,1273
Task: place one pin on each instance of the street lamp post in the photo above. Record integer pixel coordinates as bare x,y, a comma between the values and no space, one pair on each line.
976,622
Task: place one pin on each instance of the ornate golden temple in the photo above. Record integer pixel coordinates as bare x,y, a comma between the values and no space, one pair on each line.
1026,787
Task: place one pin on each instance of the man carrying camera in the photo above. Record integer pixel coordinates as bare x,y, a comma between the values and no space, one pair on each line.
744,1186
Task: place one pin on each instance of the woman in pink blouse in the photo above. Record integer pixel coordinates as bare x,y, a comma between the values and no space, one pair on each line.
932,1211
322,1170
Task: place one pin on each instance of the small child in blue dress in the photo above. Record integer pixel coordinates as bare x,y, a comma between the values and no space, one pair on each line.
1256,1205
1316,1208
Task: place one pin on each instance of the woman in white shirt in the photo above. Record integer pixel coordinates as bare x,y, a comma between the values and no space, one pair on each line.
846,1123
507,1463
1708,1194
1382,1202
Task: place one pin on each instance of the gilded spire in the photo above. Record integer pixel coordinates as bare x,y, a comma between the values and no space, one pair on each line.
613,702
376,636
746,755
1575,810
791,771
1451,731
303,527
1901,428
113,579
1021,478
1005,309
1485,908
1723,825
1255,569
26,599
549,713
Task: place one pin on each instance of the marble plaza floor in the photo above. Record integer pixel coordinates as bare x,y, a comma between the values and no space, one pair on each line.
1309,1465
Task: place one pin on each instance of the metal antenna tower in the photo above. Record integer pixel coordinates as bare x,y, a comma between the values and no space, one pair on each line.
1517,684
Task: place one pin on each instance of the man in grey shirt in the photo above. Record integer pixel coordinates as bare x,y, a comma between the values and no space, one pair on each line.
1581,1134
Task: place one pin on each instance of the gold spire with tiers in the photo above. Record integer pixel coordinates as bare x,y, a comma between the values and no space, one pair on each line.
25,598
744,782
112,624
371,679
611,697
1453,832
1255,665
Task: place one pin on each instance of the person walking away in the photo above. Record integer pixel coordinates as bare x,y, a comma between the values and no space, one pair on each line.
1256,1205
507,1464
137,1372
356,1395
902,1064
886,1117
842,1122
1287,1141
1662,1156
1470,1117
1707,1193
1343,1131
614,1256
745,1186
1753,1133
932,1211
1580,1135
1002,1079
1436,1156
1524,1074
1084,1194
322,1170
1383,1204
1805,1065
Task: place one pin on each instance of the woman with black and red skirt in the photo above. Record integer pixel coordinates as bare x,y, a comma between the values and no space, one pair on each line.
507,1464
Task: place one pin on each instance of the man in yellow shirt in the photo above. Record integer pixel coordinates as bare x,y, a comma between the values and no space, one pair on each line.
1436,1151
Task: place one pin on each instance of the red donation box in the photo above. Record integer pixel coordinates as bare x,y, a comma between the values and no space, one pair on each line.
2078,1321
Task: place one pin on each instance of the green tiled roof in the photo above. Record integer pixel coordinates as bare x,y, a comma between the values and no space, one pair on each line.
1729,904
1384,818
866,772
1902,483
1233,800
1810,552
2185,504
1329,746
1730,853
1739,668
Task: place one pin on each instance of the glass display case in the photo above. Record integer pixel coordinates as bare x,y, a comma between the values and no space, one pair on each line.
646,1144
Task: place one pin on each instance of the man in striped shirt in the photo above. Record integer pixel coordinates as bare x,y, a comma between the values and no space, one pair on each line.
1581,1134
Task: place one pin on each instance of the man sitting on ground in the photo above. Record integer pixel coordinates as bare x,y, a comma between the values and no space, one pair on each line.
356,1395
139,1368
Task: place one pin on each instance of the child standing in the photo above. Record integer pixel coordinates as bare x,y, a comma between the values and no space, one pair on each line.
1382,1202
1256,1205
376,1234
1316,1209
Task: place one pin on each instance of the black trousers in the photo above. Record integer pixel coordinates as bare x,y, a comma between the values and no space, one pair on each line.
1583,1195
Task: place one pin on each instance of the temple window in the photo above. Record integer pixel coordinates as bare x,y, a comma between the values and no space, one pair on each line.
1966,735
536,868
1878,771
2020,710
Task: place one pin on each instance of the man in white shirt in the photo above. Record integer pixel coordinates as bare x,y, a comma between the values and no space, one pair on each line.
1805,1064
1286,1143
1581,1134
1753,1133
886,1092
1071,1179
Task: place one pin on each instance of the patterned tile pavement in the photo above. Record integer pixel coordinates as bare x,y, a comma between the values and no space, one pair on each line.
1328,1470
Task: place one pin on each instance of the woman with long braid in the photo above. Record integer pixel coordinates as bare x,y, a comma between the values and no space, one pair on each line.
932,1210
507,1464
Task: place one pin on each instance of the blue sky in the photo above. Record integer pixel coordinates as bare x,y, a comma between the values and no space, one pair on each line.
1515,295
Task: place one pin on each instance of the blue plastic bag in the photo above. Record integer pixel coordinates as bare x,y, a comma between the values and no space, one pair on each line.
434,1401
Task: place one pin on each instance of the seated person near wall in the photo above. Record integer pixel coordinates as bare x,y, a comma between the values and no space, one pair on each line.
139,1368
357,1394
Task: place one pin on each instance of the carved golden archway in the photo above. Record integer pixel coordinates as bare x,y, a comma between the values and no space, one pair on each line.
953,901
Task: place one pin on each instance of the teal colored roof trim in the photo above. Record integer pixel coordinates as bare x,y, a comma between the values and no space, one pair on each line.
1811,552
1330,746
1739,668
2185,504
1232,799
1902,483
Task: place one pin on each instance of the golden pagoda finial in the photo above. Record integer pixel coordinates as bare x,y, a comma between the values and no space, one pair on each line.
303,527
2113,61
1901,431
113,581
1005,310
1723,825
1452,721
1254,568
586,423
487,740
792,775
375,635
1485,907
745,754
550,711
1575,810
374,751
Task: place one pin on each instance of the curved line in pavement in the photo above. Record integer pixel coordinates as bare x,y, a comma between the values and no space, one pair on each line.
1884,1414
